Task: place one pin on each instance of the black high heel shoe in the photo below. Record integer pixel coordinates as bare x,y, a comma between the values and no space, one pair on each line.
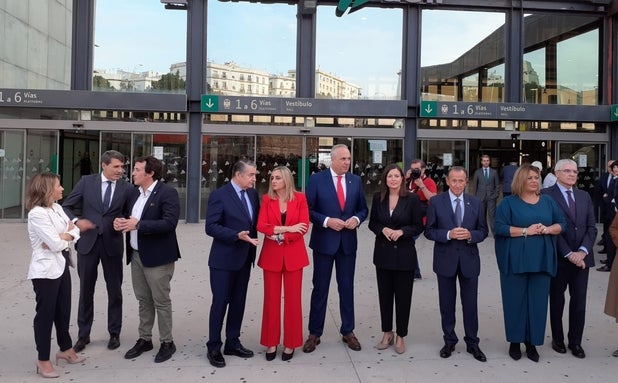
271,355
515,351
285,356
531,352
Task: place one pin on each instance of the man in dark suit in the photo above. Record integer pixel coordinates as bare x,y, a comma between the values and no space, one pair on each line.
456,223
152,250
487,188
575,257
231,220
337,206
101,198
605,192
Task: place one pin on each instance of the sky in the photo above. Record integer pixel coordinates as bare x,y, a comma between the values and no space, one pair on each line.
363,48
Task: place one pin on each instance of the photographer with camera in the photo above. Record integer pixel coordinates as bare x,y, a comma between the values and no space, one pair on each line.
418,182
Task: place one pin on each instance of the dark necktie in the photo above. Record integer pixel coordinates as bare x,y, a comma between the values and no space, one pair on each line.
486,171
107,198
458,216
244,203
340,195
572,209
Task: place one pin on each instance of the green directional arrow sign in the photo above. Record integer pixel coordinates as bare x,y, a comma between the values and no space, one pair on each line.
614,113
429,109
210,103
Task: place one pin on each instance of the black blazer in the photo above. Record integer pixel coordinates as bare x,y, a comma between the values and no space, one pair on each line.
156,236
407,216
87,195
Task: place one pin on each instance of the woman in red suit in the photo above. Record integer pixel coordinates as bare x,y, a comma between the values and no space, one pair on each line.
284,219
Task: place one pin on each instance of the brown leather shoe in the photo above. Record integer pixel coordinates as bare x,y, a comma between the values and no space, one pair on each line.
352,342
311,343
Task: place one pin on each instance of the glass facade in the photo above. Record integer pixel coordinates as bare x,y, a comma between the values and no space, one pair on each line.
462,56
139,47
359,56
546,55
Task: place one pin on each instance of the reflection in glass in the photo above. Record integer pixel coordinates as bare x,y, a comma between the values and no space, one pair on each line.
462,56
440,155
129,42
120,142
369,160
12,170
561,60
359,55
261,61
219,153
590,160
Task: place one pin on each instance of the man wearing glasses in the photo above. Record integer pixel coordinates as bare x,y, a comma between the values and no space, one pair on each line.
575,258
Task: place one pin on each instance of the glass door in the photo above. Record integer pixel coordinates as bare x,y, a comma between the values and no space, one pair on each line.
590,158
12,170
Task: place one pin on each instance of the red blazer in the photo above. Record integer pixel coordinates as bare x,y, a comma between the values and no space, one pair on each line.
292,253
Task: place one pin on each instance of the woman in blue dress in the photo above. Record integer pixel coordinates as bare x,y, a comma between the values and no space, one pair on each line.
527,225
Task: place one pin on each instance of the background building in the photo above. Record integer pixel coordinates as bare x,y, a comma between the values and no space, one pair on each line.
205,83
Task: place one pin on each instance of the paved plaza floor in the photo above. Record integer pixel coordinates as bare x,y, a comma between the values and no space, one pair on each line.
331,362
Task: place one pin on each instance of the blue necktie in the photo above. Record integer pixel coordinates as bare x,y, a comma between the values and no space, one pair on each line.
458,216
244,203
107,198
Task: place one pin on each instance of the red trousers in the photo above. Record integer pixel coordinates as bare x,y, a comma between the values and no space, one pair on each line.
292,282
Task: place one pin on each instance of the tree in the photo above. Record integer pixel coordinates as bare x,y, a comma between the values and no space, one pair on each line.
98,82
169,81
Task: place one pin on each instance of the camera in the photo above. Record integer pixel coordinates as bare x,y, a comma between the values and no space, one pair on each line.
416,174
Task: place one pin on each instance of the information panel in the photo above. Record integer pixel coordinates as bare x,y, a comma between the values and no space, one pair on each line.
513,111
302,106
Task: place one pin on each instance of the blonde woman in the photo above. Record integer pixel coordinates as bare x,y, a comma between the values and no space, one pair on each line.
284,220
51,232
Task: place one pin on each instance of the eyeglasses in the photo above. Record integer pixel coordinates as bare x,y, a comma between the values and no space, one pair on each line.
569,171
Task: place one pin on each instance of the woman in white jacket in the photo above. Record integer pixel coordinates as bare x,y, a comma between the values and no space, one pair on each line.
51,232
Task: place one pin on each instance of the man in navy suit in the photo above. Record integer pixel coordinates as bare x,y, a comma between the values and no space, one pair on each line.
101,198
337,206
152,250
575,258
456,223
231,220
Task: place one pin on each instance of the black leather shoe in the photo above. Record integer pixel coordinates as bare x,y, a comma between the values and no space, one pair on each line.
216,359
515,351
140,347
240,352
447,350
602,251
114,342
604,268
476,353
558,346
81,344
532,353
603,261
165,352
577,351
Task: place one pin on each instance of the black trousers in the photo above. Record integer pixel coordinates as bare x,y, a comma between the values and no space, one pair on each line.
395,285
53,307
576,280
87,269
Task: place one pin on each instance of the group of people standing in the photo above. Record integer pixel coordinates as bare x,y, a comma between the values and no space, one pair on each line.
543,244
92,219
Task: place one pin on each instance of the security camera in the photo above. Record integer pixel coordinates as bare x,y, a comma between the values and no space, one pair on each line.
78,126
